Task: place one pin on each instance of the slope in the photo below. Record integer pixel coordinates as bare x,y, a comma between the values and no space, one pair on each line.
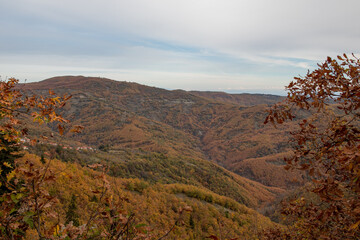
125,115
156,207
243,99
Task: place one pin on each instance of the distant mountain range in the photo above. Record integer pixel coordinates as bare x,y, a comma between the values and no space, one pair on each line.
205,129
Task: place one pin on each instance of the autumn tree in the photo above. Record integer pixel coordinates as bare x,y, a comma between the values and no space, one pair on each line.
21,200
327,148
13,104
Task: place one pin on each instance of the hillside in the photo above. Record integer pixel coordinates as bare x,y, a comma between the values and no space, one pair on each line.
161,168
123,115
243,99
155,207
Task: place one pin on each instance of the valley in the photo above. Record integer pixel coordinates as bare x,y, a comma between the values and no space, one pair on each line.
129,116
203,149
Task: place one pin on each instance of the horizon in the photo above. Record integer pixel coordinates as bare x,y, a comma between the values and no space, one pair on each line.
250,91
229,46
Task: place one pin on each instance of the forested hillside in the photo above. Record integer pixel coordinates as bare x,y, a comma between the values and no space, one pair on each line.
244,99
155,207
123,116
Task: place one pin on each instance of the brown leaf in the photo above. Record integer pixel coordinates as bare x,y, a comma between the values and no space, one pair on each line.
61,129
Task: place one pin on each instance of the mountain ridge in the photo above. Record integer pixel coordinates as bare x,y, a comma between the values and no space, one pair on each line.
131,116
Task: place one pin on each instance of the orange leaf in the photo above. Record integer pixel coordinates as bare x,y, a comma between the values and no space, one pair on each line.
61,129
355,226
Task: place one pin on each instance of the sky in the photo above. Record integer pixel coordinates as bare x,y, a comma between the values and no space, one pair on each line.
218,45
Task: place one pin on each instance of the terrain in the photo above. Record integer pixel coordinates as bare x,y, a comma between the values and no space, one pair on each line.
205,127
155,207
244,99
208,151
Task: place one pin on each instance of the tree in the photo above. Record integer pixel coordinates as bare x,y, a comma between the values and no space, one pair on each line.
12,104
327,148
71,213
191,222
8,154
42,159
23,200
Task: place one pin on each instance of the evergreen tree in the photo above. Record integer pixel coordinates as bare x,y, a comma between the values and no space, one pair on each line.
191,222
42,159
71,214
8,154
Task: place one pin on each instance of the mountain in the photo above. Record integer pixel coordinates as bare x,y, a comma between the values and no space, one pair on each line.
196,127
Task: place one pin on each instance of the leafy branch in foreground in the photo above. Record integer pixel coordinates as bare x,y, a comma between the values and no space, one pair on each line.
13,104
327,148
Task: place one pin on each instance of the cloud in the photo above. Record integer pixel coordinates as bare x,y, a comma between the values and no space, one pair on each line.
228,26
230,37
182,78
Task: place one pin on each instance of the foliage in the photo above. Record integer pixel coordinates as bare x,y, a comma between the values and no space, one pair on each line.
156,209
71,213
26,204
8,154
164,168
207,196
327,148
12,104
42,159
